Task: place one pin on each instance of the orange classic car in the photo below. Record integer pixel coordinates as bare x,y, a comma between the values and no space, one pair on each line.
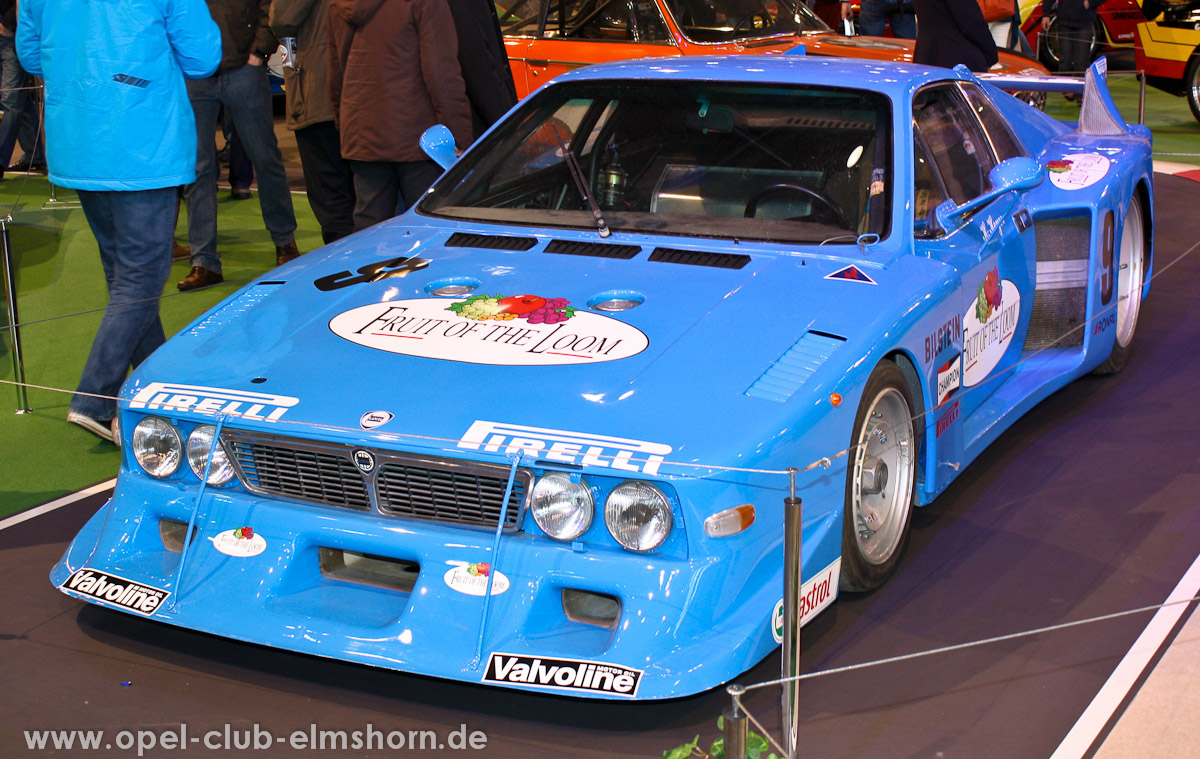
545,38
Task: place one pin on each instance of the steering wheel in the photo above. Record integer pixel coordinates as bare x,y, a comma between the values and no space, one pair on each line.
747,22
834,214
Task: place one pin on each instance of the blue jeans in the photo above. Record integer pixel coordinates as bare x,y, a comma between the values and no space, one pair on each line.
246,95
135,231
873,15
14,99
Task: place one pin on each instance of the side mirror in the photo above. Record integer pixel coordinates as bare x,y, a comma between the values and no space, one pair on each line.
438,144
1016,174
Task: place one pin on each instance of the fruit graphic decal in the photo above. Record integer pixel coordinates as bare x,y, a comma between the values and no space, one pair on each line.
1058,166
243,533
989,296
534,309
480,569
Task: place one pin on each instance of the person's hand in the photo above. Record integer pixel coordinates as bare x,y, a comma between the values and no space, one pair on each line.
1046,22
845,9
254,60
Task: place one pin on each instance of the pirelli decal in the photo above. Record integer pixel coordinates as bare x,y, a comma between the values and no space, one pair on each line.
576,675
138,598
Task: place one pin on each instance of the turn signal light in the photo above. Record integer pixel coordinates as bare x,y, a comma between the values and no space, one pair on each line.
730,521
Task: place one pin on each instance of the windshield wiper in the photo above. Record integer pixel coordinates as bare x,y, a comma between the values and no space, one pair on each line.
580,185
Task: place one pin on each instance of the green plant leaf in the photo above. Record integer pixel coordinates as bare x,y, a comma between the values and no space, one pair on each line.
717,749
682,752
755,745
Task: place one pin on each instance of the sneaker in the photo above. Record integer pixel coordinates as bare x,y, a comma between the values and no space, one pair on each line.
104,430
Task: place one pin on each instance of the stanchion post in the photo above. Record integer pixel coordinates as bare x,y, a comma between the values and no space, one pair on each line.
736,725
792,584
14,330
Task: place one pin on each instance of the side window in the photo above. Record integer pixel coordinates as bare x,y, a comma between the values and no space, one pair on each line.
956,144
611,20
927,190
1004,143
519,17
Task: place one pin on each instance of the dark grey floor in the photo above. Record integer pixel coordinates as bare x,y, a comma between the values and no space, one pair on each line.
1087,506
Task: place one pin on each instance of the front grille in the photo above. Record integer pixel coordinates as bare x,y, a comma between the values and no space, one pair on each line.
417,487
459,495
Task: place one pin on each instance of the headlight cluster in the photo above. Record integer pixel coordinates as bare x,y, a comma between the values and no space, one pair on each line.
637,514
158,447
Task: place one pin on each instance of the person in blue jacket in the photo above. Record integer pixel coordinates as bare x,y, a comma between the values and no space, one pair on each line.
120,131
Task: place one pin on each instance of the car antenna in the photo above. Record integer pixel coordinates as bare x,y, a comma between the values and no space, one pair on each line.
577,176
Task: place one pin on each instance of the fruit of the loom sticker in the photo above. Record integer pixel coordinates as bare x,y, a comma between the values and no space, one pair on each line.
533,308
990,293
480,569
243,533
1059,166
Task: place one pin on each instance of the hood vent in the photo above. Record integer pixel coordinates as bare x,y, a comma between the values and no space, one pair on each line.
700,258
793,368
593,249
489,242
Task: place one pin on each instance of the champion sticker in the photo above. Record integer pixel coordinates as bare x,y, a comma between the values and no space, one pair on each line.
138,598
213,400
567,447
520,330
988,327
562,674
373,419
815,595
1075,172
472,579
949,378
852,274
241,543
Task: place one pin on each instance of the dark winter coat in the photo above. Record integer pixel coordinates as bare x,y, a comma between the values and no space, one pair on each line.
393,73
244,30
306,83
1071,13
484,62
950,32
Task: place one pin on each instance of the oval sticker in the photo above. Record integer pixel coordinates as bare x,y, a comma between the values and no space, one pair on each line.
240,543
472,579
988,327
520,330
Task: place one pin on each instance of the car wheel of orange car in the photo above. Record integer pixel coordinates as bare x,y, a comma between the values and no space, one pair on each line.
880,480
1191,83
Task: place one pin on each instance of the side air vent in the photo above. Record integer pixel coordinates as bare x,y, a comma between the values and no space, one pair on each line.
700,258
593,249
791,370
490,242
1060,297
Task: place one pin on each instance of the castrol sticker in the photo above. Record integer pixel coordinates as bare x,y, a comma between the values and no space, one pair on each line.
815,595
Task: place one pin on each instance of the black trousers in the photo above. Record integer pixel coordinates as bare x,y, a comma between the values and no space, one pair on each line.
328,179
386,189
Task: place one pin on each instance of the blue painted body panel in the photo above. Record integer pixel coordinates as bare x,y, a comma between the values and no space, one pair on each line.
727,393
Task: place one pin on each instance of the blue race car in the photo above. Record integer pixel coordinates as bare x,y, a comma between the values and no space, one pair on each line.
538,431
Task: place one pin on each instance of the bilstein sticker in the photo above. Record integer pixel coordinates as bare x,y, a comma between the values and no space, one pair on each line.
567,447
142,599
426,327
988,327
241,543
563,674
212,400
472,579
815,595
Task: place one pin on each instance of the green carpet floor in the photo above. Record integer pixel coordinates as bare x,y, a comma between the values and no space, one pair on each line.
60,287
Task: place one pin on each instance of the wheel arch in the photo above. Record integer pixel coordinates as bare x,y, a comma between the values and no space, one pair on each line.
908,367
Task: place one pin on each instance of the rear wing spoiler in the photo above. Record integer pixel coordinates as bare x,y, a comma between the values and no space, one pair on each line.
1098,115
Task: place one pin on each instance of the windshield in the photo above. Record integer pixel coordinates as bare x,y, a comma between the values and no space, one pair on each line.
641,20
711,159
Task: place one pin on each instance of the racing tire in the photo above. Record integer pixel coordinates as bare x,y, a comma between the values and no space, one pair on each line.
1048,49
881,477
1191,85
1130,263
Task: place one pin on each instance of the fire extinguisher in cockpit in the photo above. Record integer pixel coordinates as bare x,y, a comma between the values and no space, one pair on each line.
612,182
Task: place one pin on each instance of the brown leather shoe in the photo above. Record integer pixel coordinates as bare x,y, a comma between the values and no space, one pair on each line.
285,253
179,252
200,277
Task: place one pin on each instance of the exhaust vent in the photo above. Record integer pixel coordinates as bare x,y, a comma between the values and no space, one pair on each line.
791,370
490,242
1060,296
593,249
172,533
585,607
700,258
365,569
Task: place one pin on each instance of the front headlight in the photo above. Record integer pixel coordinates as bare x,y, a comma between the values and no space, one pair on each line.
638,515
157,446
199,443
563,509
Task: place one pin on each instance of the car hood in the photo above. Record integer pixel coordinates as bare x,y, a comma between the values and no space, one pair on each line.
357,328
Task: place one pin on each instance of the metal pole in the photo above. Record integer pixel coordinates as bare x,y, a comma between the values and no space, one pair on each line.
14,331
1141,76
792,585
737,727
